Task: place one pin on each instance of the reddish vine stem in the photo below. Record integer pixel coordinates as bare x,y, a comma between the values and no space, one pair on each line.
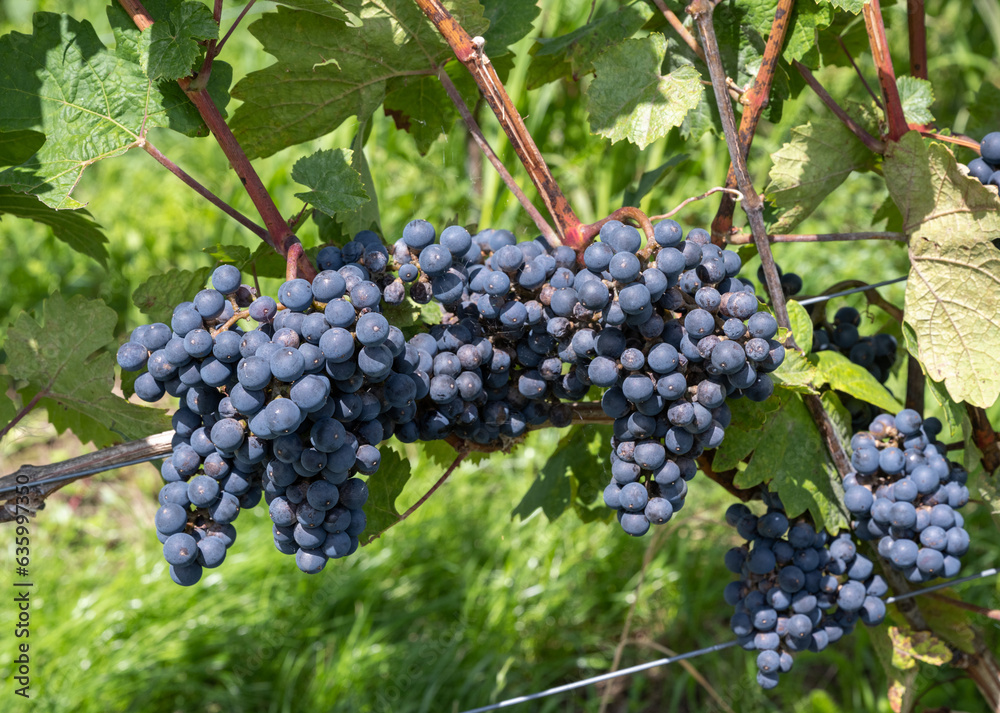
958,139
725,479
433,489
753,206
682,32
886,74
477,135
985,437
237,316
292,260
744,239
202,191
867,139
236,22
589,232
857,70
917,27
25,410
983,611
280,236
755,100
470,53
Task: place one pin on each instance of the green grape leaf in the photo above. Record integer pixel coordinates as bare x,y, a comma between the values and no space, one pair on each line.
840,417
335,185
819,157
630,99
8,407
75,228
384,488
573,55
442,454
949,622
173,40
984,112
802,326
157,296
571,471
852,6
64,359
797,373
954,281
808,17
510,20
334,70
89,103
263,261
917,96
181,115
16,147
650,179
790,455
842,374
420,106
588,479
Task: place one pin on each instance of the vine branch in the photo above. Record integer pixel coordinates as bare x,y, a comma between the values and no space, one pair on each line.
469,51
872,11
279,236
867,139
753,206
83,466
202,191
755,100
744,239
917,27
477,134
680,29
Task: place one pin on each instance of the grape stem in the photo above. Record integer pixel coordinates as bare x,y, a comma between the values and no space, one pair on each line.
917,27
736,195
744,239
872,11
279,235
477,135
958,140
867,139
292,261
469,52
239,18
237,316
684,34
440,481
857,70
755,101
589,232
25,410
201,190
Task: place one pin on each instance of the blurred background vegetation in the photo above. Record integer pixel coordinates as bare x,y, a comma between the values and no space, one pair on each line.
463,604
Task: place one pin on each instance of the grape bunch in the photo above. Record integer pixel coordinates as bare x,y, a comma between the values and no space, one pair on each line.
791,283
876,353
298,406
800,590
667,375
905,494
986,168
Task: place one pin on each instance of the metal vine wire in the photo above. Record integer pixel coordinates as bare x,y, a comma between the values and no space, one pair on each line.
692,654
866,288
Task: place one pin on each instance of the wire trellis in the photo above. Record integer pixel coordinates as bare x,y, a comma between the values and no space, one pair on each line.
692,654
